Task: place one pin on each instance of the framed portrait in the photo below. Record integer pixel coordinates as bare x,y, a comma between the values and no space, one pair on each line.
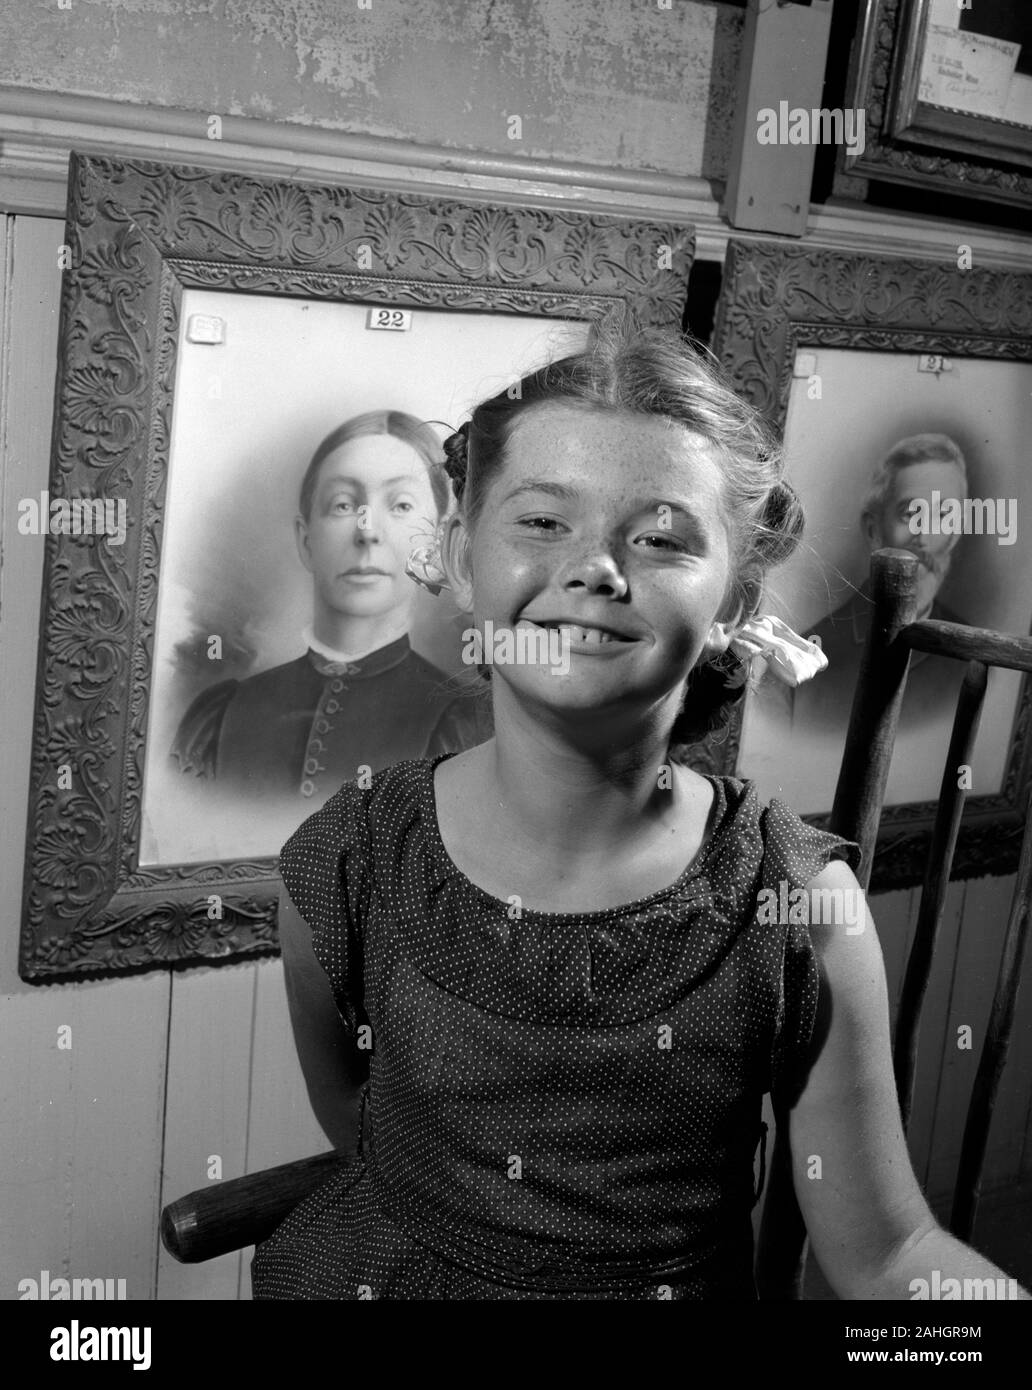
255,381
947,93
901,388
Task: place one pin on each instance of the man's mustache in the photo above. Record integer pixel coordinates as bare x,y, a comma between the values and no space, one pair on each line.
936,565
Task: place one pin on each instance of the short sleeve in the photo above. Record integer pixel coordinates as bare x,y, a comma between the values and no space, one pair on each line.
794,853
325,867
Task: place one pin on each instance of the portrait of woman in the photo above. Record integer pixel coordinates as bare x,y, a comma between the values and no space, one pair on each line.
359,698
293,651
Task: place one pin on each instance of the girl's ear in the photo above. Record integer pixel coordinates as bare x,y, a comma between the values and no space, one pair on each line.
455,552
721,634
718,641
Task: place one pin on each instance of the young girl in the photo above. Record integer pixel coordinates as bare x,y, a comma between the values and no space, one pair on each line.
546,951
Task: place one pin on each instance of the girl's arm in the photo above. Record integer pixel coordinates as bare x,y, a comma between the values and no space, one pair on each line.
871,1228
334,1068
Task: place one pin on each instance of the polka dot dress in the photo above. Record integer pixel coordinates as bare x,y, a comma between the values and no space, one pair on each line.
560,1105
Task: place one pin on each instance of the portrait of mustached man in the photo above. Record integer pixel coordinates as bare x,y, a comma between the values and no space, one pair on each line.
912,471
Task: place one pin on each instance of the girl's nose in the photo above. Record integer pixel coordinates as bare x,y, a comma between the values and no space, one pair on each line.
595,569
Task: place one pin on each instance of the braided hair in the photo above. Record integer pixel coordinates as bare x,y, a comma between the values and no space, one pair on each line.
456,458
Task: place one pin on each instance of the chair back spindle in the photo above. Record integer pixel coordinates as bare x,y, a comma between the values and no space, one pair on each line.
994,1050
936,881
874,716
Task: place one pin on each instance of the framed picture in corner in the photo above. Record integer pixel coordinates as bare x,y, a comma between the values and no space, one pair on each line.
255,380
902,389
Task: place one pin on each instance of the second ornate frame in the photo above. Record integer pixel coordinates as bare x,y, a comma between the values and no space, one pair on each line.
778,298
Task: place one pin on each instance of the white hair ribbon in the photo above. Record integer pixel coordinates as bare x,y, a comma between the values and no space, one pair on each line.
791,658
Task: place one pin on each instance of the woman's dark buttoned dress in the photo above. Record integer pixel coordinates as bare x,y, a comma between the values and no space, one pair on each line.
301,729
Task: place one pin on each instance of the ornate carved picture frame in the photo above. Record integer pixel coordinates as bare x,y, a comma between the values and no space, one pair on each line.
142,238
915,140
849,356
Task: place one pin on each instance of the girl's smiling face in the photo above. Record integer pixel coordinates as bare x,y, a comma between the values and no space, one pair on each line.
610,521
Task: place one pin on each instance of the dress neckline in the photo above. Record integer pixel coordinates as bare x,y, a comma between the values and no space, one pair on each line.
374,663
721,815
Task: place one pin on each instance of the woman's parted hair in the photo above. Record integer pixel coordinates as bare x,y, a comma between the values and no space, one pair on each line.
652,372
394,422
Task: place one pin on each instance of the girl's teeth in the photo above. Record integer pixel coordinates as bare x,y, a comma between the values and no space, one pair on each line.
586,634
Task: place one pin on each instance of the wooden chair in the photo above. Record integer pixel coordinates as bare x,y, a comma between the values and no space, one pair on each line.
856,813
243,1211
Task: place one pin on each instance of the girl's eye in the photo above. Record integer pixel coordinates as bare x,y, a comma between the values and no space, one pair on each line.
403,505
664,539
549,524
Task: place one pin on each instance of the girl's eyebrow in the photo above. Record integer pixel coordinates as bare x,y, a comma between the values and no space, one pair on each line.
553,489
569,494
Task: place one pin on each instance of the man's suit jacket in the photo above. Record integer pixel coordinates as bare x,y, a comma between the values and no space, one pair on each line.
933,682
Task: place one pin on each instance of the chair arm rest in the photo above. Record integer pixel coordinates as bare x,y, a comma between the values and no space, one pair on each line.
243,1211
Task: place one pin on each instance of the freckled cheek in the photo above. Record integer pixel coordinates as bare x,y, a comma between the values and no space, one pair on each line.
503,568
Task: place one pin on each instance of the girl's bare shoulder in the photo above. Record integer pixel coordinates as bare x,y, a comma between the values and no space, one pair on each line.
462,778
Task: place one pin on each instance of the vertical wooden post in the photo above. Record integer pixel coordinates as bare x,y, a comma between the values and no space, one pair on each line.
864,772
994,1049
936,883
784,53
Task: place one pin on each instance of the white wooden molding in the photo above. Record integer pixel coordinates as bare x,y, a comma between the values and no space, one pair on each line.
845,226
37,130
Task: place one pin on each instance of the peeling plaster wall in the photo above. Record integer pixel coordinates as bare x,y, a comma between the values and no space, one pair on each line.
617,83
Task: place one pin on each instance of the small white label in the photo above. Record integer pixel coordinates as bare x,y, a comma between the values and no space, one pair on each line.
930,362
805,365
205,328
395,320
